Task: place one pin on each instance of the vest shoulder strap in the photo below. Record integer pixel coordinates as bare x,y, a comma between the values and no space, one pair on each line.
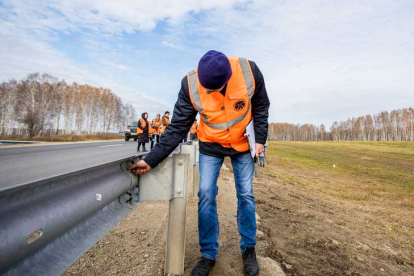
247,75
193,87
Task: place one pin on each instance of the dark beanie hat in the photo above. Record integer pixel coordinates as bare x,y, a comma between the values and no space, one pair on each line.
214,70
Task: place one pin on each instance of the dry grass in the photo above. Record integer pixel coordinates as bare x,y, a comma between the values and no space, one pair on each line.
368,174
67,137
376,179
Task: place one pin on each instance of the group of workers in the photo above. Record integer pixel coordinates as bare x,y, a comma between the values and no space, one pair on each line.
228,93
152,131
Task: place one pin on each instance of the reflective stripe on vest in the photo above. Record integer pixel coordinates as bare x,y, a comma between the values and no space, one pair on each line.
197,102
230,123
194,90
247,76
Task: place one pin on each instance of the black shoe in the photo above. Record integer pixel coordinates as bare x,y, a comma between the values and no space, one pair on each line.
138,149
203,267
144,150
251,267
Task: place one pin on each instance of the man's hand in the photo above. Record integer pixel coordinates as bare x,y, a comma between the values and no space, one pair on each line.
259,149
140,168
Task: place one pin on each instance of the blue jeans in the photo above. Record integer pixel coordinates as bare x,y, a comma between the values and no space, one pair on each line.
262,160
208,224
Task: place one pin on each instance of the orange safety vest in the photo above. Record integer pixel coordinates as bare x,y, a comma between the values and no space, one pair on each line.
165,126
143,124
193,128
157,124
223,119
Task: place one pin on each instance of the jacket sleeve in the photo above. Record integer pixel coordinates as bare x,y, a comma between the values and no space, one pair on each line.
260,106
183,117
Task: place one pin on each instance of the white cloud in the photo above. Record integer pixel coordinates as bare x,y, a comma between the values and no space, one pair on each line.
25,48
21,55
107,15
110,65
172,45
322,61
28,30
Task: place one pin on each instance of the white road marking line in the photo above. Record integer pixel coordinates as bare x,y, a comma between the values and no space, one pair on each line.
112,145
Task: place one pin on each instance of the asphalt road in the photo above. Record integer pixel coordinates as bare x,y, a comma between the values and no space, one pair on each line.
24,164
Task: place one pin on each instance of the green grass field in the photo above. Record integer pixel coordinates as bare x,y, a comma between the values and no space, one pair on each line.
365,171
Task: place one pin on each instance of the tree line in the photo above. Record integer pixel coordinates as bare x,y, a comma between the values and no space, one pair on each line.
397,125
43,105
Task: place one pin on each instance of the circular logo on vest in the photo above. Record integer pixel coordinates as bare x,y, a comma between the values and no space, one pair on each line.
238,106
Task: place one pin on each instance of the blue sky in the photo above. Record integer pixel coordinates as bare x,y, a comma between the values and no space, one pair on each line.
322,60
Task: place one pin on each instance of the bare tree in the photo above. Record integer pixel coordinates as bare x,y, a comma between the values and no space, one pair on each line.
8,99
40,103
397,125
27,106
129,114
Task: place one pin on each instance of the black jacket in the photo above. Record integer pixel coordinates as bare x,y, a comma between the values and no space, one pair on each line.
185,114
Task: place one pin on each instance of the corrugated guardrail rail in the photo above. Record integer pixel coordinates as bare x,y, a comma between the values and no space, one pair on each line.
45,226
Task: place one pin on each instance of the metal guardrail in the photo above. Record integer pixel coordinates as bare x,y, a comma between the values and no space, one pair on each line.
6,142
45,226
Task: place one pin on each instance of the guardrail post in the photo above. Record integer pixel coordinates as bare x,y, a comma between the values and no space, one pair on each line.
192,150
175,247
196,171
256,169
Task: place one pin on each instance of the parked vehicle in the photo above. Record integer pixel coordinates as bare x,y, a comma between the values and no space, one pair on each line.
131,132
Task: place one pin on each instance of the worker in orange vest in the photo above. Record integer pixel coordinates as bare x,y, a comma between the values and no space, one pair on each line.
228,92
156,126
165,121
193,131
143,130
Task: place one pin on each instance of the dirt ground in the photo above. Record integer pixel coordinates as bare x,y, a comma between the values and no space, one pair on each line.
316,236
301,232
